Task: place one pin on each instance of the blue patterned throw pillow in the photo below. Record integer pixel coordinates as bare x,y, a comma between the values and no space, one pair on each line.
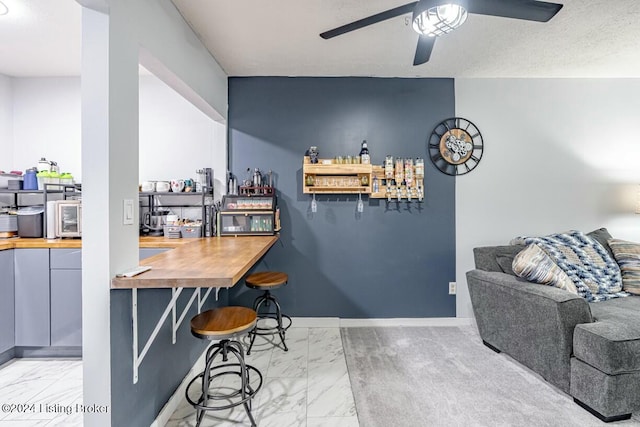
594,272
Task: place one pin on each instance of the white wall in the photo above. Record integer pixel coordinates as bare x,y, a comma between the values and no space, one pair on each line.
6,123
176,138
559,154
46,123
40,117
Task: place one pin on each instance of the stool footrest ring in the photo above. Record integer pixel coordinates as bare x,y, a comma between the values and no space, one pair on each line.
272,329
249,391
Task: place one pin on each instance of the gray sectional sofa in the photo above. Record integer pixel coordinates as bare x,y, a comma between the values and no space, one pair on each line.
590,351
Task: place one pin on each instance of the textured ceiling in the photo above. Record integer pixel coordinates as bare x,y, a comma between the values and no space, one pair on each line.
588,38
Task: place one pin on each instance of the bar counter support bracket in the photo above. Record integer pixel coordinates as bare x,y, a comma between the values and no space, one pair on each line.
175,324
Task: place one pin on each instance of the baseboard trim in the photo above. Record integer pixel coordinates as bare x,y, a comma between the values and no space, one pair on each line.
315,322
26,352
421,321
337,322
7,355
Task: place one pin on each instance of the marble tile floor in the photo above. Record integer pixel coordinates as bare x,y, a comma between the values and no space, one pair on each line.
306,386
41,392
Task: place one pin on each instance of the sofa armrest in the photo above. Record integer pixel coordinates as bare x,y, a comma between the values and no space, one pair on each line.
530,322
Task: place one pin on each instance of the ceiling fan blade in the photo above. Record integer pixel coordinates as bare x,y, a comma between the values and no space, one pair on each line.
423,50
529,10
370,20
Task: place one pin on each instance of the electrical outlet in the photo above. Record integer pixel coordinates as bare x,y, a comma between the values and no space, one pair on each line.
452,288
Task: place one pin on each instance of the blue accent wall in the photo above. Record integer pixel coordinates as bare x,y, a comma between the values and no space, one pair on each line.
392,260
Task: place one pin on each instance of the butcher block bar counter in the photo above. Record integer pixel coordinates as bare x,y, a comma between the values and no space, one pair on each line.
217,262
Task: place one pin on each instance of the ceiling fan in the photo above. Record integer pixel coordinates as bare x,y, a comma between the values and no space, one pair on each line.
434,18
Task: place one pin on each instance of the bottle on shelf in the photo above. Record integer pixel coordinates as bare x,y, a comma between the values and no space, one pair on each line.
388,167
364,153
376,184
257,178
399,171
232,184
419,168
30,179
408,171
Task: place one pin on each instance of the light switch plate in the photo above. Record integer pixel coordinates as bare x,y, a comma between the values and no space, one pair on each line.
127,212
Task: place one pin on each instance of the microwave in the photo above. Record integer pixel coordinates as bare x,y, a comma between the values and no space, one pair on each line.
68,217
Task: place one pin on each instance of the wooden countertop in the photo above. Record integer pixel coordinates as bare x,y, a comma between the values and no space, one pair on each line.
145,242
212,262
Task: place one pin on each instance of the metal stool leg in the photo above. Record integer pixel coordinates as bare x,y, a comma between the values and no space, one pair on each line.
256,306
244,378
212,352
280,328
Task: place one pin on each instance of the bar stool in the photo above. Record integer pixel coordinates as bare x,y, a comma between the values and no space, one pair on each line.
223,324
266,281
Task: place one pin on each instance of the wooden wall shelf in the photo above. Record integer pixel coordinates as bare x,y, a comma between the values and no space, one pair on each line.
331,178
416,192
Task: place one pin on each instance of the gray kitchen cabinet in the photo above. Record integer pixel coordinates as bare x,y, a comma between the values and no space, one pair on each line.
66,308
66,297
7,311
32,297
66,259
47,295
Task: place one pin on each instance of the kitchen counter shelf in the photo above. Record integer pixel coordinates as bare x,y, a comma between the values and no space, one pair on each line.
68,191
169,200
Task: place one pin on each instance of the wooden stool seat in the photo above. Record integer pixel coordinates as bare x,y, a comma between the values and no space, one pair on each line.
223,322
266,280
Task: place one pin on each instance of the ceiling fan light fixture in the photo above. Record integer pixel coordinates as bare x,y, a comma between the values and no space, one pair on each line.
437,20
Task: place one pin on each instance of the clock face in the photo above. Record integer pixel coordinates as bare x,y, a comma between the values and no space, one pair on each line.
455,146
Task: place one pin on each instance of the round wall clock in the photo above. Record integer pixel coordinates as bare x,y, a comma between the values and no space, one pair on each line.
455,146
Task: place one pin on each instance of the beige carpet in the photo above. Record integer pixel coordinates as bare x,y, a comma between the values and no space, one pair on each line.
444,376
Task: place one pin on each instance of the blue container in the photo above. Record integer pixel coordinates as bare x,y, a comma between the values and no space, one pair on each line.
30,179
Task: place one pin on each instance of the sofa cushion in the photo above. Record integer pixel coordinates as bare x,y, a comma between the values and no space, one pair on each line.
602,236
505,256
595,274
612,343
534,264
496,258
627,255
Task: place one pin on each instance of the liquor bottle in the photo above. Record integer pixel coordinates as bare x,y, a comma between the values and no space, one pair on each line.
364,154
376,184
